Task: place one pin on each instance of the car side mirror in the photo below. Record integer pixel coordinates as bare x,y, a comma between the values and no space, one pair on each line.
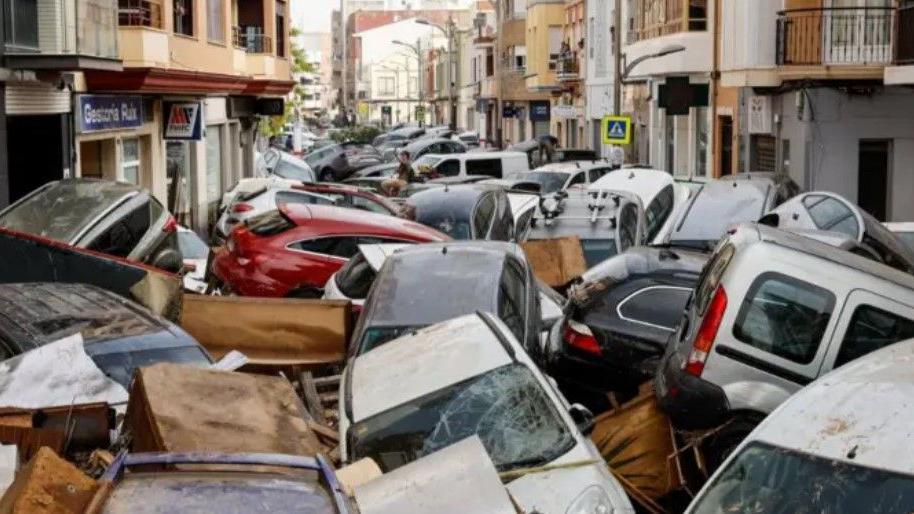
582,417
168,260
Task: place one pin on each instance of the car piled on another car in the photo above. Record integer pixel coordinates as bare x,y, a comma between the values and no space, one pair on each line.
463,211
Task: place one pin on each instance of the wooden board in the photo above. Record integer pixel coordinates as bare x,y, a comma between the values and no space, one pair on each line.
48,485
176,408
269,331
556,261
637,441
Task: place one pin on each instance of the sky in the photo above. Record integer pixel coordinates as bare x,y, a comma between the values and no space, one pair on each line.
313,15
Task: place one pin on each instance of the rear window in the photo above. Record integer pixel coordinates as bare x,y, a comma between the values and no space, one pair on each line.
831,214
487,167
660,307
121,365
784,316
269,223
871,329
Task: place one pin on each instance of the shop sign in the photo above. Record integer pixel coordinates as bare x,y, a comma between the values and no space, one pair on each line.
183,120
567,111
539,111
108,112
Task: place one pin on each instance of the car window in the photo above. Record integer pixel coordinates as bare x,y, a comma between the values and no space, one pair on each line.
598,250
831,214
449,168
628,227
511,299
354,279
784,316
579,178
191,246
120,366
482,216
290,170
121,237
487,167
362,203
455,147
503,224
658,211
595,173
658,306
299,198
343,246
870,329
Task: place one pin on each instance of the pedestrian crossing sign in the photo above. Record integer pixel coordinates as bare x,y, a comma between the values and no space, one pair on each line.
617,130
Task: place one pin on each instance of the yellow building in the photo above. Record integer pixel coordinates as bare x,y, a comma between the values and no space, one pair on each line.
197,74
545,24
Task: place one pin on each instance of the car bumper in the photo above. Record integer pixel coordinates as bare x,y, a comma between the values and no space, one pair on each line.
586,372
690,402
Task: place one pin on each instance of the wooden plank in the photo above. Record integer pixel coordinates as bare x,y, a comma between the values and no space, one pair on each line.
324,432
556,261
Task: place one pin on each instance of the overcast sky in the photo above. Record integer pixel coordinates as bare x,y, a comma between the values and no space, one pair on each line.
313,15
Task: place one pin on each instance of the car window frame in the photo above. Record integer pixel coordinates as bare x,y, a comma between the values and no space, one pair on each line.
110,221
475,229
290,246
855,299
633,295
447,161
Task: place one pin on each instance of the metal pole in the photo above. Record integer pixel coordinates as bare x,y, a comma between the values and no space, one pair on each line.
421,80
617,57
452,72
344,103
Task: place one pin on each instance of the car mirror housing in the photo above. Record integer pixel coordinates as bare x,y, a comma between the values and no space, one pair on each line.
582,417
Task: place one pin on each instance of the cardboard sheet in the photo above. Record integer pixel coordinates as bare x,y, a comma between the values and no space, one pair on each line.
176,408
48,485
556,261
271,331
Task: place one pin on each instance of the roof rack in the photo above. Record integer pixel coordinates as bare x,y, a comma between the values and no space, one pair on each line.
552,206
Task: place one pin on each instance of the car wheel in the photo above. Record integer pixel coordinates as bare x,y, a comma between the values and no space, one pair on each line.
717,447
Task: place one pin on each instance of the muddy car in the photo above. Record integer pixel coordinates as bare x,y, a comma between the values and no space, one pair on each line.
119,335
463,211
114,218
470,376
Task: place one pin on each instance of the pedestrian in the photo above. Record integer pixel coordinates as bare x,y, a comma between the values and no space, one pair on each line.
616,156
396,184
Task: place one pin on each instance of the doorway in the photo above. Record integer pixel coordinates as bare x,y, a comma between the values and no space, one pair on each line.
39,151
873,177
725,165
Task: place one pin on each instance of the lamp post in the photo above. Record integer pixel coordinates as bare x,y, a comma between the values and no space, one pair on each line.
449,32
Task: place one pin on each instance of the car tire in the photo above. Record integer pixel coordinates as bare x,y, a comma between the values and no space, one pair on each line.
717,447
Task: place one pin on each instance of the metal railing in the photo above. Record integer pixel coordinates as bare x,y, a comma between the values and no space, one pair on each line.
62,27
836,35
139,13
252,40
904,35
567,66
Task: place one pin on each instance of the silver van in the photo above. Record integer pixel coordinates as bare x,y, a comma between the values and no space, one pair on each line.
772,312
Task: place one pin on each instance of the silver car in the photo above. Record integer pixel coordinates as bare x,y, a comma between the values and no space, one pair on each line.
247,204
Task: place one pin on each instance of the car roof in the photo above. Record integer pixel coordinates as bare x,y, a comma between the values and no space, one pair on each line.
646,183
427,360
35,314
473,156
355,220
572,166
641,260
796,242
857,414
448,196
426,141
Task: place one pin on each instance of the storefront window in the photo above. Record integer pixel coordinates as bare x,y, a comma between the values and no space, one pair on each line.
213,169
178,169
130,160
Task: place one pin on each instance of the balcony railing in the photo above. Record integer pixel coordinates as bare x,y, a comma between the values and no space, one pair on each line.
836,35
567,68
655,18
139,13
60,28
904,43
252,40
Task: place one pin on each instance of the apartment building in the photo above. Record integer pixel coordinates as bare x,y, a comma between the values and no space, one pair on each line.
599,75
569,121
822,93
544,31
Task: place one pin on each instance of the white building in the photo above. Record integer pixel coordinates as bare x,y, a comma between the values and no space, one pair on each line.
600,69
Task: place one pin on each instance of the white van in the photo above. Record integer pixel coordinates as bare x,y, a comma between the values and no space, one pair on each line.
488,164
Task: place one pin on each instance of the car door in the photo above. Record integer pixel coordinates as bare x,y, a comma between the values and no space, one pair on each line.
483,214
868,323
514,303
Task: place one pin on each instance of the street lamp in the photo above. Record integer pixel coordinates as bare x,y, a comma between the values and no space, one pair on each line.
627,69
449,34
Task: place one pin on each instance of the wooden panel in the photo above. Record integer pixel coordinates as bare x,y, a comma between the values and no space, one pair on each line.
556,261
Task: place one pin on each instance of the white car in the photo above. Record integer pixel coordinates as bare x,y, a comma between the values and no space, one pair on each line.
250,201
559,176
842,445
195,254
904,231
469,376
663,198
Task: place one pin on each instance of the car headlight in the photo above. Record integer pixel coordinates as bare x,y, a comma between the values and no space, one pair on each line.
593,500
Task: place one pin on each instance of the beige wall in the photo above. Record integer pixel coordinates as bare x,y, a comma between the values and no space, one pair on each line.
540,17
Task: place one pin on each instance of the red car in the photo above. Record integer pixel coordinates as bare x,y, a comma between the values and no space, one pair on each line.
352,197
292,251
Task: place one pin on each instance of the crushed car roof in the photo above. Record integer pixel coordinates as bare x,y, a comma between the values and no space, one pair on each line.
427,360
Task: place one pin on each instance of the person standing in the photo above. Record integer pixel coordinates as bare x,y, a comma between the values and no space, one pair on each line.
404,175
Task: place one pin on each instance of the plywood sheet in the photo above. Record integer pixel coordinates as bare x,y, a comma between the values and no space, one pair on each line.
556,261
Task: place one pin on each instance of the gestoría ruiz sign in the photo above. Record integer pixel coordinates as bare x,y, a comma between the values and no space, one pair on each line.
108,112
183,120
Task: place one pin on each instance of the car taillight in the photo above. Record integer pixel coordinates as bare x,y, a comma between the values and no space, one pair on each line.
171,225
242,207
707,332
579,336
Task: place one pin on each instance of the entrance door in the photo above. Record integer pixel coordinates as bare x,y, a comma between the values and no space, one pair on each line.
39,151
726,144
857,31
873,177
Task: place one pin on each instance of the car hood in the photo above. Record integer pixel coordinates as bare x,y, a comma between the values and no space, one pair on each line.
553,492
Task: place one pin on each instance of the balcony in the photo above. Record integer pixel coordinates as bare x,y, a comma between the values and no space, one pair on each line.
567,68
252,40
62,35
861,37
139,13
655,18
904,46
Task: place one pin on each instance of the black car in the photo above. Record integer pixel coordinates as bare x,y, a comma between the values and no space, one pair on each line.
119,335
617,322
537,158
468,277
464,211
338,162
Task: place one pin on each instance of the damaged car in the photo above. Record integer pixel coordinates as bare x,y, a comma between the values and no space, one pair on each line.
463,211
114,218
470,376
468,277
292,251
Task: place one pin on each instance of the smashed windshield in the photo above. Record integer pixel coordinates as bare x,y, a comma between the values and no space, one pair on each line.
287,168
506,407
765,479
714,209
549,181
